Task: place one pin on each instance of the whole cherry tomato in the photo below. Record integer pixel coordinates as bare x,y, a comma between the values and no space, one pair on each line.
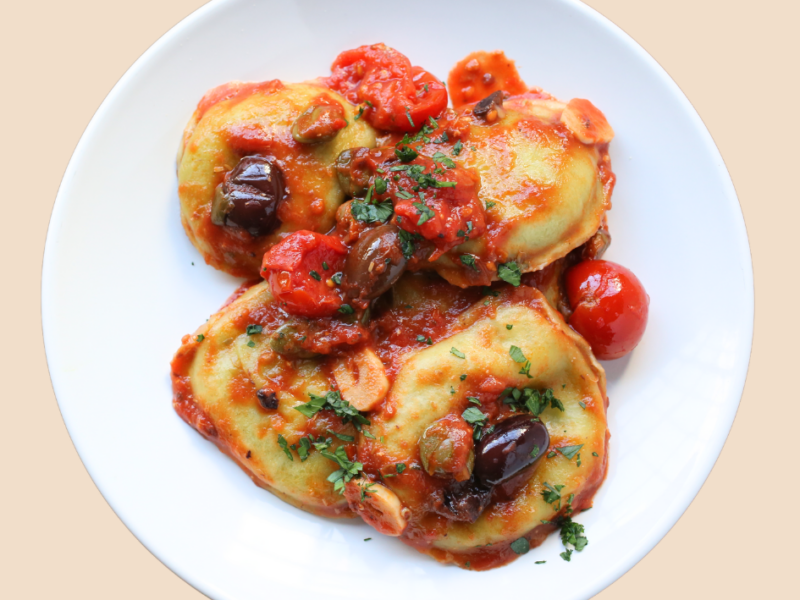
609,306
397,96
299,269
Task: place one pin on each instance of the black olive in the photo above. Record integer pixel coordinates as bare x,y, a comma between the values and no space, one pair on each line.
492,102
516,443
267,398
461,501
248,198
374,263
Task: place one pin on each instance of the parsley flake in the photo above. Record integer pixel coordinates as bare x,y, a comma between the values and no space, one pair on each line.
285,446
315,275
457,148
253,329
570,451
516,354
371,212
346,309
423,211
456,352
520,546
469,261
200,337
405,154
510,273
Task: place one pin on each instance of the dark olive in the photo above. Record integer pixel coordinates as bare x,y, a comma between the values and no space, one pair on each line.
318,123
267,398
463,501
374,263
350,170
287,341
491,107
248,198
516,443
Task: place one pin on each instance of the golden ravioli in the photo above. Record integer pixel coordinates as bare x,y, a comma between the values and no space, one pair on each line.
471,364
246,119
217,376
545,188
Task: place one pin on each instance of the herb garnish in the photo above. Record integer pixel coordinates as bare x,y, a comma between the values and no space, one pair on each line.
456,352
510,273
469,261
457,148
570,451
534,401
333,401
253,329
423,211
347,468
405,154
285,446
520,546
346,309
315,275
368,212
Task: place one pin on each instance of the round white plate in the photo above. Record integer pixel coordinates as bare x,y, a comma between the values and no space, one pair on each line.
121,284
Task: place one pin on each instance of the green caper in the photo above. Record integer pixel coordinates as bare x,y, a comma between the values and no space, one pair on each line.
353,180
446,449
287,341
220,207
318,123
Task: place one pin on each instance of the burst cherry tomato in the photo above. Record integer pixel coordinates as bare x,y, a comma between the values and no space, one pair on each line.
298,270
398,97
609,307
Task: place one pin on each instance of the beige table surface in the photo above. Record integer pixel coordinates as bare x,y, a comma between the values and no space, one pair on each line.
739,64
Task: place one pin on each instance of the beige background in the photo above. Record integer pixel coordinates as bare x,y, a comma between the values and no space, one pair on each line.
738,64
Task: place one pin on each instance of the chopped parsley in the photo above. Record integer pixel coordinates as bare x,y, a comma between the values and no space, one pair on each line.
251,344
410,120
463,377
324,266
407,243
456,352
572,534
424,340
368,212
595,454
253,329
490,204
380,185
333,401
337,278
473,400
423,211
400,467
440,157
315,275
520,546
285,446
582,405
478,420
200,337
457,148
510,273
509,327
442,139
551,454
552,494
346,309
469,261
570,451
347,468
534,401
517,355
405,154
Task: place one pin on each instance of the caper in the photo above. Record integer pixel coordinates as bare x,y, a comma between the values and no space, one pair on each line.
351,172
445,449
318,123
287,340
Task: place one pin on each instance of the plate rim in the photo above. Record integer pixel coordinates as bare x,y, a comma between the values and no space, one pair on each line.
679,505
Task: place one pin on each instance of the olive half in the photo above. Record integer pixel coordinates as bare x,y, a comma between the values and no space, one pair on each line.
248,198
516,443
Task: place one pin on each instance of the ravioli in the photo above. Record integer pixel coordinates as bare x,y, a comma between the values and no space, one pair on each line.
241,119
545,191
473,359
216,375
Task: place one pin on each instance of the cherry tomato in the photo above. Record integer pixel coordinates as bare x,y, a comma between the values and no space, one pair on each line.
398,96
298,269
609,307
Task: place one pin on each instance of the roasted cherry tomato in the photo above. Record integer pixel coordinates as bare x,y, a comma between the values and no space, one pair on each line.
609,306
300,270
396,95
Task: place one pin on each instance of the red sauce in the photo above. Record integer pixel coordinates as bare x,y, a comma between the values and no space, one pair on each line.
480,74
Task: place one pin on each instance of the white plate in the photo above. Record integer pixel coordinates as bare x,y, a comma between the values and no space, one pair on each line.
120,288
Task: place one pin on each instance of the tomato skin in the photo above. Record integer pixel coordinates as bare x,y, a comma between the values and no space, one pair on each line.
610,306
288,266
385,78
